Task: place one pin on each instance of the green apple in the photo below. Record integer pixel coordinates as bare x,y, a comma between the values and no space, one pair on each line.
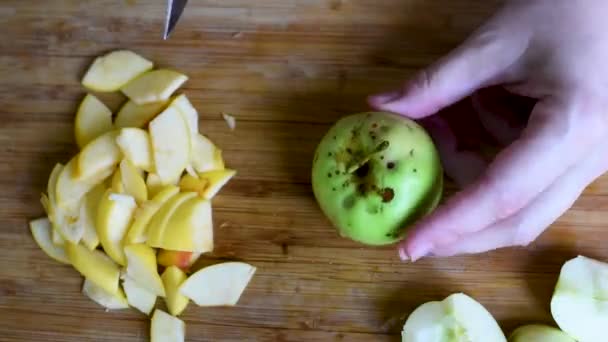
539,333
374,174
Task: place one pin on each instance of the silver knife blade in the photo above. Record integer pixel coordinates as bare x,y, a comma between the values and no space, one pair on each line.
175,8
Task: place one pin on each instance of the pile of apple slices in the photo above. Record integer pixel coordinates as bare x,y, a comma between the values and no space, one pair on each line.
138,195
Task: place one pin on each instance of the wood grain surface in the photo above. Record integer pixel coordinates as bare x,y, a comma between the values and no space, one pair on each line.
286,69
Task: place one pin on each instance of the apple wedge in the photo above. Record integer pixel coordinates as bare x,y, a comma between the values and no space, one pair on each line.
187,110
154,184
189,229
137,232
98,156
173,278
41,231
456,318
539,333
117,186
580,300
219,285
133,182
134,143
93,118
56,237
154,86
138,297
94,265
205,155
88,216
166,328
170,145
182,260
141,267
114,217
138,116
159,222
208,184
114,70
110,301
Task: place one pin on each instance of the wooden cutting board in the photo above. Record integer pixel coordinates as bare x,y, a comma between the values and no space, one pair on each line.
286,69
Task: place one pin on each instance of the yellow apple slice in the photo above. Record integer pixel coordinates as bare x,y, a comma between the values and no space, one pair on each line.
170,145
110,301
172,278
117,186
94,265
143,215
138,297
158,223
141,267
57,238
188,111
69,190
98,156
154,184
112,71
205,155
208,184
133,182
134,115
93,119
190,228
114,217
88,216
182,260
218,285
41,231
166,328
154,86
135,145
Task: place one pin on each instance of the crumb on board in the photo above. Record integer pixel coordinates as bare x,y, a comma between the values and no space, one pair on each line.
230,121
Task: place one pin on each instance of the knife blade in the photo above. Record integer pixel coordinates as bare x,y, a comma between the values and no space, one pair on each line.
175,8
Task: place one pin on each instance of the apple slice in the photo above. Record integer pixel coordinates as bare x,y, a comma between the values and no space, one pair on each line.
205,155
88,216
94,265
172,278
166,328
208,184
135,145
154,184
183,260
456,318
170,145
219,285
138,297
112,71
93,119
539,333
158,223
154,86
188,111
141,267
117,186
580,300
114,217
137,232
110,301
189,229
134,115
98,156
133,181
41,231
56,238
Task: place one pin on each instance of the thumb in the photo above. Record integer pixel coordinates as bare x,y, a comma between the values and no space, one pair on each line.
484,59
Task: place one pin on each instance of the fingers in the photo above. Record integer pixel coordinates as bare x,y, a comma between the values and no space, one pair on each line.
525,226
547,148
482,60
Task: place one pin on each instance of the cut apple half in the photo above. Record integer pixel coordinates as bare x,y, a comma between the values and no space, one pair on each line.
94,265
41,231
110,301
133,182
138,116
158,223
141,267
138,297
539,333
205,155
114,217
98,156
112,71
173,277
93,118
166,328
580,300
134,143
219,285
170,145
456,318
154,86
137,232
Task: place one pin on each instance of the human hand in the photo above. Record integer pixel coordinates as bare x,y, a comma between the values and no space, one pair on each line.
551,51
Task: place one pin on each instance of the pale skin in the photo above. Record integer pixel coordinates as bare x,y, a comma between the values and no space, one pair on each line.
553,51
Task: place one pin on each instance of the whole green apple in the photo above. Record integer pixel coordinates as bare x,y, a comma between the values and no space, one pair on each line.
374,174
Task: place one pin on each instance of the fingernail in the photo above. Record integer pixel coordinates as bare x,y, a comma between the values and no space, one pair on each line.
403,255
420,250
